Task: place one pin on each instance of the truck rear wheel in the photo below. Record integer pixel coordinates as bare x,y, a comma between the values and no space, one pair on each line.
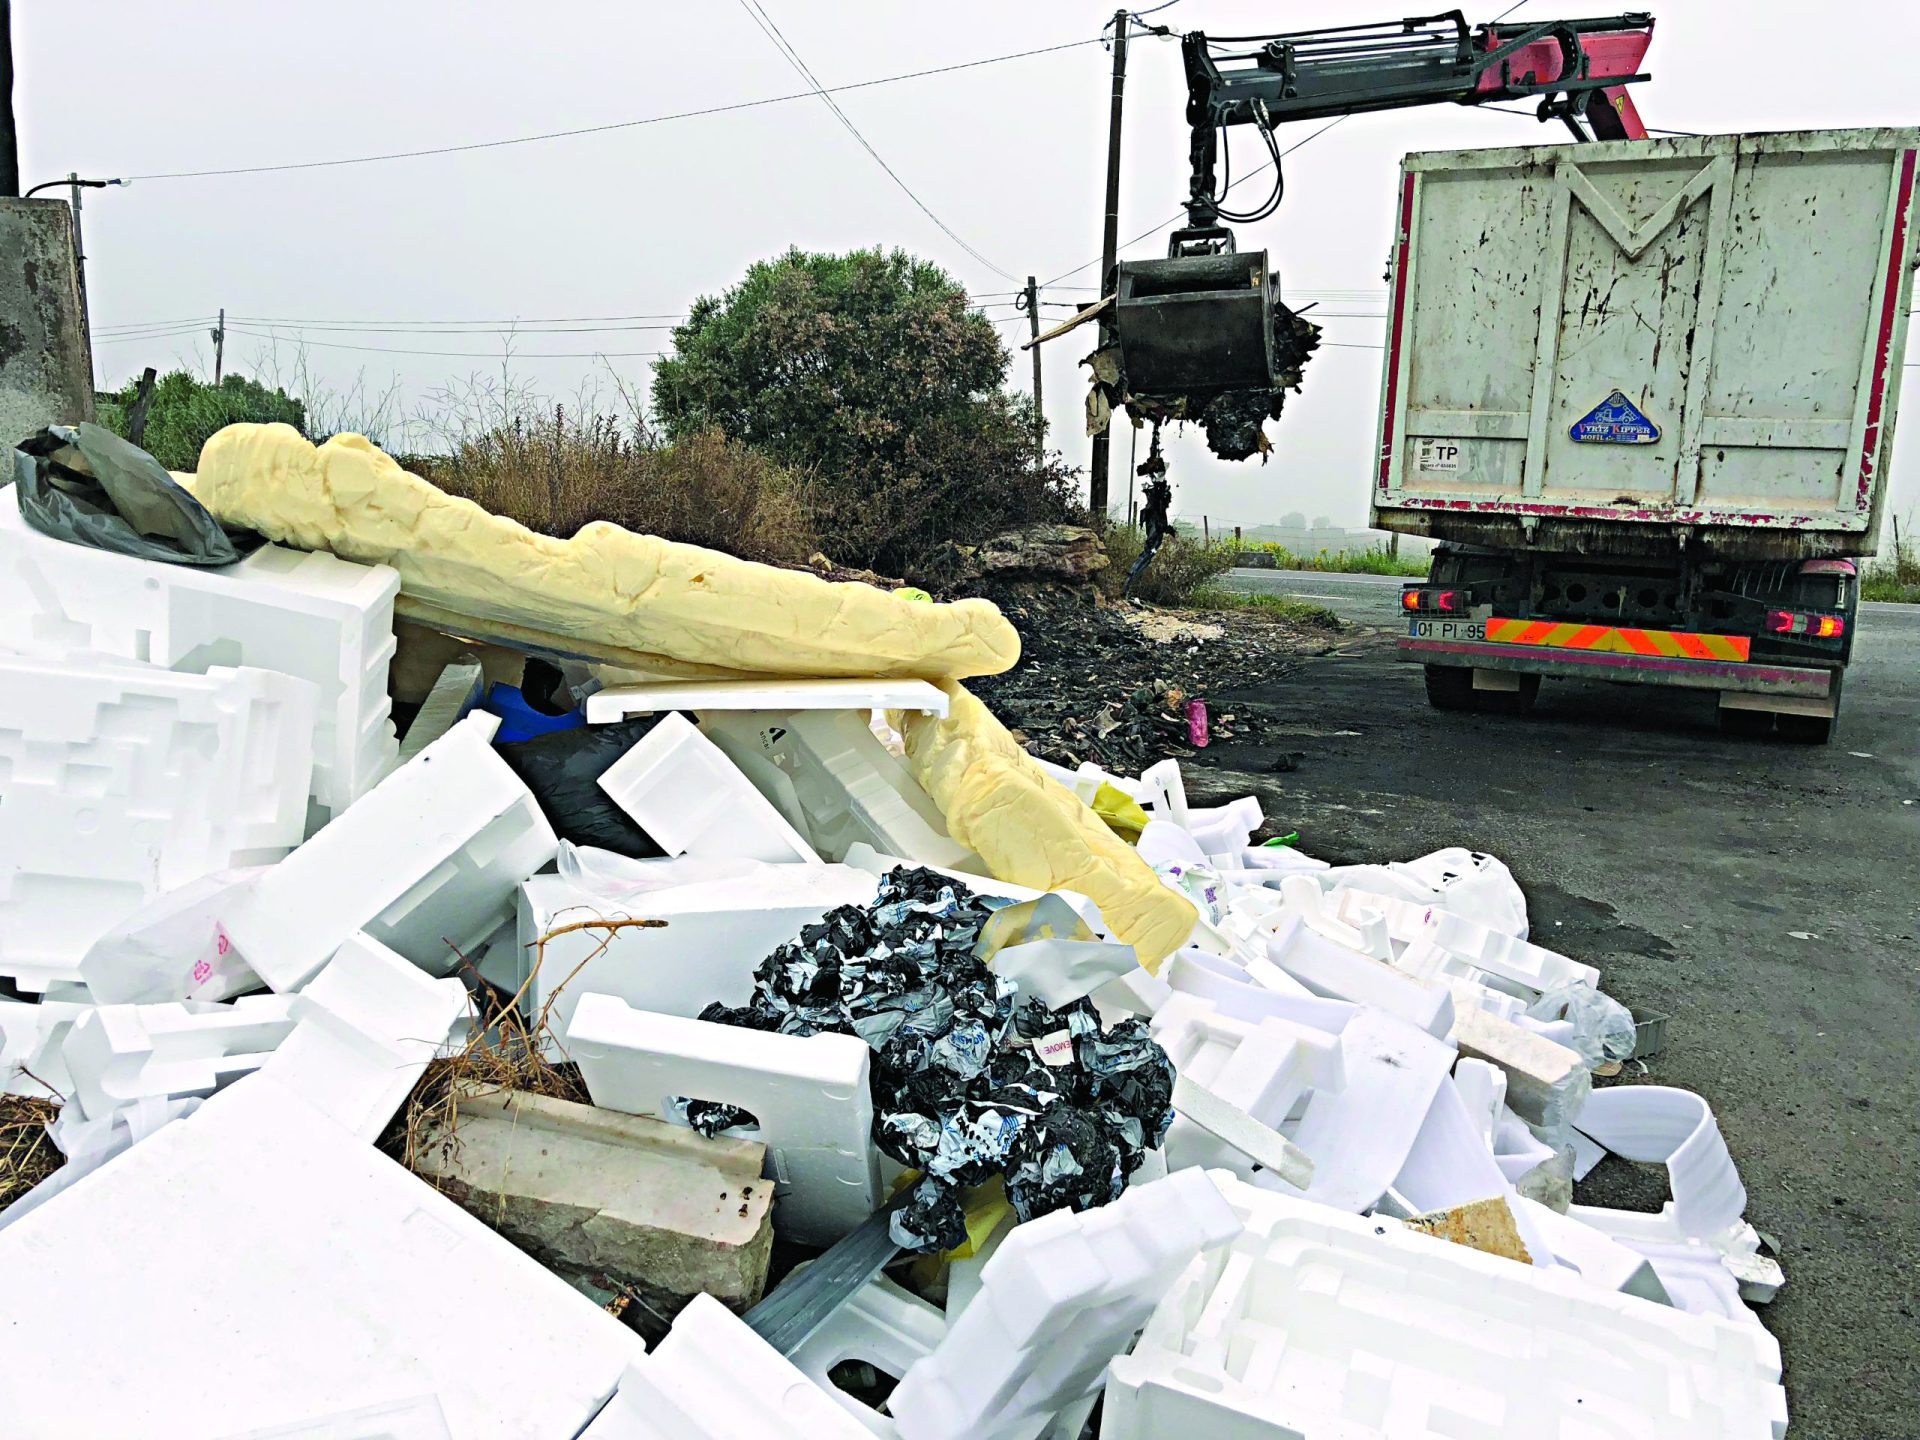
1449,687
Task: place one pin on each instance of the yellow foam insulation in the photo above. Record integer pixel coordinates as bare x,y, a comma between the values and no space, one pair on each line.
694,608
1033,831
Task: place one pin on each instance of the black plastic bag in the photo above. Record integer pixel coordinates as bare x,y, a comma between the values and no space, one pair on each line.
562,771
85,485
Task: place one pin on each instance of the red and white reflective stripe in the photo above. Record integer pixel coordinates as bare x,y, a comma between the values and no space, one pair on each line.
1393,338
1889,309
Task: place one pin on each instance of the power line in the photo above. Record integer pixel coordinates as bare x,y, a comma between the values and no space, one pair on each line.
613,125
757,13
505,353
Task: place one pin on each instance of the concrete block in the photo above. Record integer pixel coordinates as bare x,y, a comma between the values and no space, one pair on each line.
301,613
1316,1324
692,800
715,934
259,1238
46,368
659,697
364,1031
809,1094
1060,1297
427,863
593,1192
712,1378
1547,1084
120,781
118,1054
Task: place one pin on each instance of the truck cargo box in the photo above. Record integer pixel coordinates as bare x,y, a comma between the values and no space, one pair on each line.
1638,346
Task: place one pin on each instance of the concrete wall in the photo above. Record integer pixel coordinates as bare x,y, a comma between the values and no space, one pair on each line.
46,370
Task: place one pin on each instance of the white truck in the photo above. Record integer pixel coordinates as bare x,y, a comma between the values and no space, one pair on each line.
1643,392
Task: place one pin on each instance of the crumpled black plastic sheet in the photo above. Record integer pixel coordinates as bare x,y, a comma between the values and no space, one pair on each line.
970,1080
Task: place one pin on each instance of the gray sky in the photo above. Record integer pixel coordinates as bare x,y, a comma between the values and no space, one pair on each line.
637,221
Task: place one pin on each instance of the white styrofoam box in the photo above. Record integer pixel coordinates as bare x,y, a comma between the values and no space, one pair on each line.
712,1378
1315,1324
809,1094
172,947
716,933
882,1325
1261,1069
623,702
118,1054
31,1037
692,800
1061,1296
306,614
205,1232
850,789
119,781
364,1030
427,863
420,1418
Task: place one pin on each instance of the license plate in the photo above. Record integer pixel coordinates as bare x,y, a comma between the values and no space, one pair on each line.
1447,629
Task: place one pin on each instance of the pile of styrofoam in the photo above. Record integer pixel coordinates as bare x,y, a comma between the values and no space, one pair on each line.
234,932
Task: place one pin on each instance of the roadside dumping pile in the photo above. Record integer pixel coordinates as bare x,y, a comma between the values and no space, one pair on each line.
457,1079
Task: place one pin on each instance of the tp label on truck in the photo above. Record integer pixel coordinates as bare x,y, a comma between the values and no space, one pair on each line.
1616,420
1437,456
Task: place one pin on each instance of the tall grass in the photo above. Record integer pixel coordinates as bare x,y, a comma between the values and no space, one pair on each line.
1182,567
1894,576
1374,560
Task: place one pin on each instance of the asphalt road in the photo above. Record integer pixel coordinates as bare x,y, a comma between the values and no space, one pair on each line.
1761,893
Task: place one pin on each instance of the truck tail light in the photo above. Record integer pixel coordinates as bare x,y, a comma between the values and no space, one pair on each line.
1795,622
1446,602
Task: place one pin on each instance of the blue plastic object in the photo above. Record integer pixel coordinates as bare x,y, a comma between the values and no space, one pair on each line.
519,720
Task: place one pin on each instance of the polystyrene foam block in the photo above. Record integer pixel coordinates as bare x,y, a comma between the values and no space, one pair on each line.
622,702
1061,1296
1315,1325
172,947
692,800
883,1326
119,781
420,1418
1332,968
851,790
716,933
1229,988
712,1378
809,1094
364,1029
427,863
31,1037
1475,949
259,1238
118,1054
306,614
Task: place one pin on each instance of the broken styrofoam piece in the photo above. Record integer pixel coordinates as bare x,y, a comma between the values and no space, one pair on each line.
1163,790
1474,947
173,947
89,1144
1595,1257
418,1418
1314,1323
1061,1296
1236,1140
1234,990
882,1325
455,694
713,1378
364,1030
1657,1124
302,613
1086,779
1452,1164
426,863
663,1212
1517,1150
1272,862
123,780
848,788
808,1093
1226,829
1587,1153
1163,843
1313,949
202,1232
1462,882
690,798
31,1036
624,702
1547,1084
118,1054
716,933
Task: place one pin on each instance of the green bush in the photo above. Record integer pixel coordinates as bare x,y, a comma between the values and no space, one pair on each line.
1374,560
185,413
1894,577
1180,569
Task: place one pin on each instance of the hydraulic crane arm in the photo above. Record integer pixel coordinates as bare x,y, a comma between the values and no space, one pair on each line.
1578,68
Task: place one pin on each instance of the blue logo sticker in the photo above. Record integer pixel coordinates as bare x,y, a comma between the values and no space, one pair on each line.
1616,420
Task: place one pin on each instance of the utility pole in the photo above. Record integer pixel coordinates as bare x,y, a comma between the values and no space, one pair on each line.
9,137
80,262
219,337
1109,251
1033,323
